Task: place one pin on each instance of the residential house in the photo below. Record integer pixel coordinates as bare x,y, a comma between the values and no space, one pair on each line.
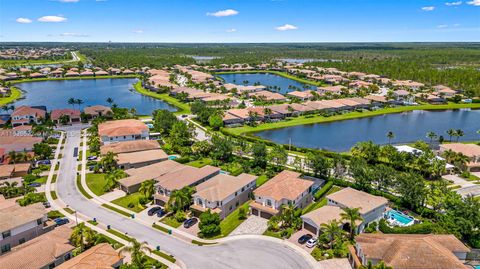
101,256
301,95
129,146
27,115
122,130
403,96
444,91
411,251
472,151
98,111
284,189
142,158
223,194
14,170
267,96
333,90
73,115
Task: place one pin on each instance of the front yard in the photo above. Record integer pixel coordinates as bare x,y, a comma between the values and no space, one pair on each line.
96,183
132,202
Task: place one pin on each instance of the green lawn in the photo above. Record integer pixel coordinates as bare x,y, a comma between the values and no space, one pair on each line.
261,180
96,183
54,178
81,189
200,162
16,93
54,195
308,119
183,108
130,201
171,221
232,221
321,202
120,235
121,212
69,210
164,255
41,180
161,228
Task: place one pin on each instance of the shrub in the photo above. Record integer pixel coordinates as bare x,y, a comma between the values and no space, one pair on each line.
131,205
321,192
142,200
55,214
372,227
242,213
209,224
180,216
29,178
421,228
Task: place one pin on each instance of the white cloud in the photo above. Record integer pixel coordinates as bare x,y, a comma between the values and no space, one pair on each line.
286,27
442,26
74,34
223,13
453,3
23,20
138,31
474,3
231,30
52,19
430,8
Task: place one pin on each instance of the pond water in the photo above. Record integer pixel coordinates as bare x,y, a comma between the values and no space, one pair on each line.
54,94
284,85
407,127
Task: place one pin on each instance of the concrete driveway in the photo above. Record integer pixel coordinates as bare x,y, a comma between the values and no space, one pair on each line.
252,225
236,253
294,239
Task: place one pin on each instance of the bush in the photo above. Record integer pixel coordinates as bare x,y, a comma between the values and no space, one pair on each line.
372,227
142,200
131,205
32,198
209,224
422,228
180,216
55,214
242,213
183,160
321,192
29,178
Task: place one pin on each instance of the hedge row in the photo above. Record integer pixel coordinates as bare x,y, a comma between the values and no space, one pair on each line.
421,228
321,192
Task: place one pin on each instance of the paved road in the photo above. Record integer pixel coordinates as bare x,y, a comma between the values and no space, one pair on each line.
242,253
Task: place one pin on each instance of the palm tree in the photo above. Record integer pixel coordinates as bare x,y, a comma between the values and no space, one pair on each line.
459,133
451,133
351,215
109,161
332,231
390,136
82,237
136,250
71,101
431,136
13,156
79,102
180,199
288,214
110,101
112,179
147,188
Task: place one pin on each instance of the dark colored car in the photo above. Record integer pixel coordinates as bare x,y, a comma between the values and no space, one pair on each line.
92,158
304,238
190,222
153,210
35,184
46,162
46,204
61,221
161,213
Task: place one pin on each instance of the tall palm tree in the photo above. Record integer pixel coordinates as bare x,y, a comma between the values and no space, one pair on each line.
82,236
180,199
390,136
288,214
136,250
451,133
351,215
71,101
111,179
459,133
109,161
332,230
110,100
147,188
79,102
431,136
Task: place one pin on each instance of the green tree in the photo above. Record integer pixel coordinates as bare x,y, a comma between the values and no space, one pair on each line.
209,224
332,231
278,155
180,199
319,165
390,136
259,154
411,188
136,250
82,237
111,179
147,188
42,150
451,133
215,121
109,162
222,148
431,136
180,135
352,215
163,121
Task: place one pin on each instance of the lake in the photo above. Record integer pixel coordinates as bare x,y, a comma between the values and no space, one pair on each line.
55,93
407,127
266,79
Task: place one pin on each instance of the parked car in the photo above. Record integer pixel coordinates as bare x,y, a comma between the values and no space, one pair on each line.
92,158
61,221
312,242
184,115
45,162
46,204
190,222
304,238
153,210
35,184
161,213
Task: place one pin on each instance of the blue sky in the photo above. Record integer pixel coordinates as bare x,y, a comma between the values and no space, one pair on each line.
239,20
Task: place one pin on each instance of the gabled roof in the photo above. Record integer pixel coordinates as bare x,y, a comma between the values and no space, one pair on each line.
285,185
27,110
72,113
18,215
185,176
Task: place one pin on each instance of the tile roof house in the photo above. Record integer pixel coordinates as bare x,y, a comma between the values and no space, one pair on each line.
46,251
313,220
129,146
14,170
142,158
98,111
285,188
122,130
412,251
302,95
336,90
101,256
19,224
223,193
73,115
18,143
472,151
27,115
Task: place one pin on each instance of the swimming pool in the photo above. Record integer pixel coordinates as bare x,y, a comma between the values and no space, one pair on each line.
399,217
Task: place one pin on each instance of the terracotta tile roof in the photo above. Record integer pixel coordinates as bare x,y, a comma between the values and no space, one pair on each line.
353,198
40,251
268,95
469,150
96,110
406,251
285,185
18,215
26,110
122,127
324,214
221,186
141,156
261,207
101,256
130,146
153,171
376,98
186,176
72,113
18,143
6,170
301,94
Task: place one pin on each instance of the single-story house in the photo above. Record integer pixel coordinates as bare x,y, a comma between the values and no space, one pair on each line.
98,111
14,170
302,95
129,146
138,159
97,257
122,130
73,115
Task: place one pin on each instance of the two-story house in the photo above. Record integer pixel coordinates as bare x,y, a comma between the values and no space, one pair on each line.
223,194
283,189
472,151
18,224
122,130
27,115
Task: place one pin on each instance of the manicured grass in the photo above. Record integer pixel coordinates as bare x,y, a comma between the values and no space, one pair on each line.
41,180
81,189
198,243
200,162
55,214
121,212
233,168
16,93
171,221
96,183
54,178
308,119
115,244
120,235
131,199
272,234
94,223
321,202
54,195
57,166
69,210
232,221
164,255
261,180
161,228
279,73
183,108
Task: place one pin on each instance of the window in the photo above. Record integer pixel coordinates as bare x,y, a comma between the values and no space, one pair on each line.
6,248
6,234
268,202
21,241
236,193
237,203
39,221
230,207
200,202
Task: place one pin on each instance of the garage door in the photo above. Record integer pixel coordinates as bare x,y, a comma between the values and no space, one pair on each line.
254,212
309,228
265,215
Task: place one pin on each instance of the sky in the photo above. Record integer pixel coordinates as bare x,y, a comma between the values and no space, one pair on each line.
235,21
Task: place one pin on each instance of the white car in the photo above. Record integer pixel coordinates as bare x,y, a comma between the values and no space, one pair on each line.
312,242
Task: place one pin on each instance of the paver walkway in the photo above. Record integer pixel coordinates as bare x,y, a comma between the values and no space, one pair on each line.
252,225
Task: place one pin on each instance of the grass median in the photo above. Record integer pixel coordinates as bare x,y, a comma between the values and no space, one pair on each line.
81,189
121,212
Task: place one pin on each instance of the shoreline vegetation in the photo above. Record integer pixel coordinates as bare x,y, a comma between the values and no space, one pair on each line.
183,108
308,119
278,73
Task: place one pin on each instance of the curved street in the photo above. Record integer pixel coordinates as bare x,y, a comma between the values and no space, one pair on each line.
238,253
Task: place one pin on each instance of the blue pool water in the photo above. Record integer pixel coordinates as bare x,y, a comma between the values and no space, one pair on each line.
172,157
400,217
